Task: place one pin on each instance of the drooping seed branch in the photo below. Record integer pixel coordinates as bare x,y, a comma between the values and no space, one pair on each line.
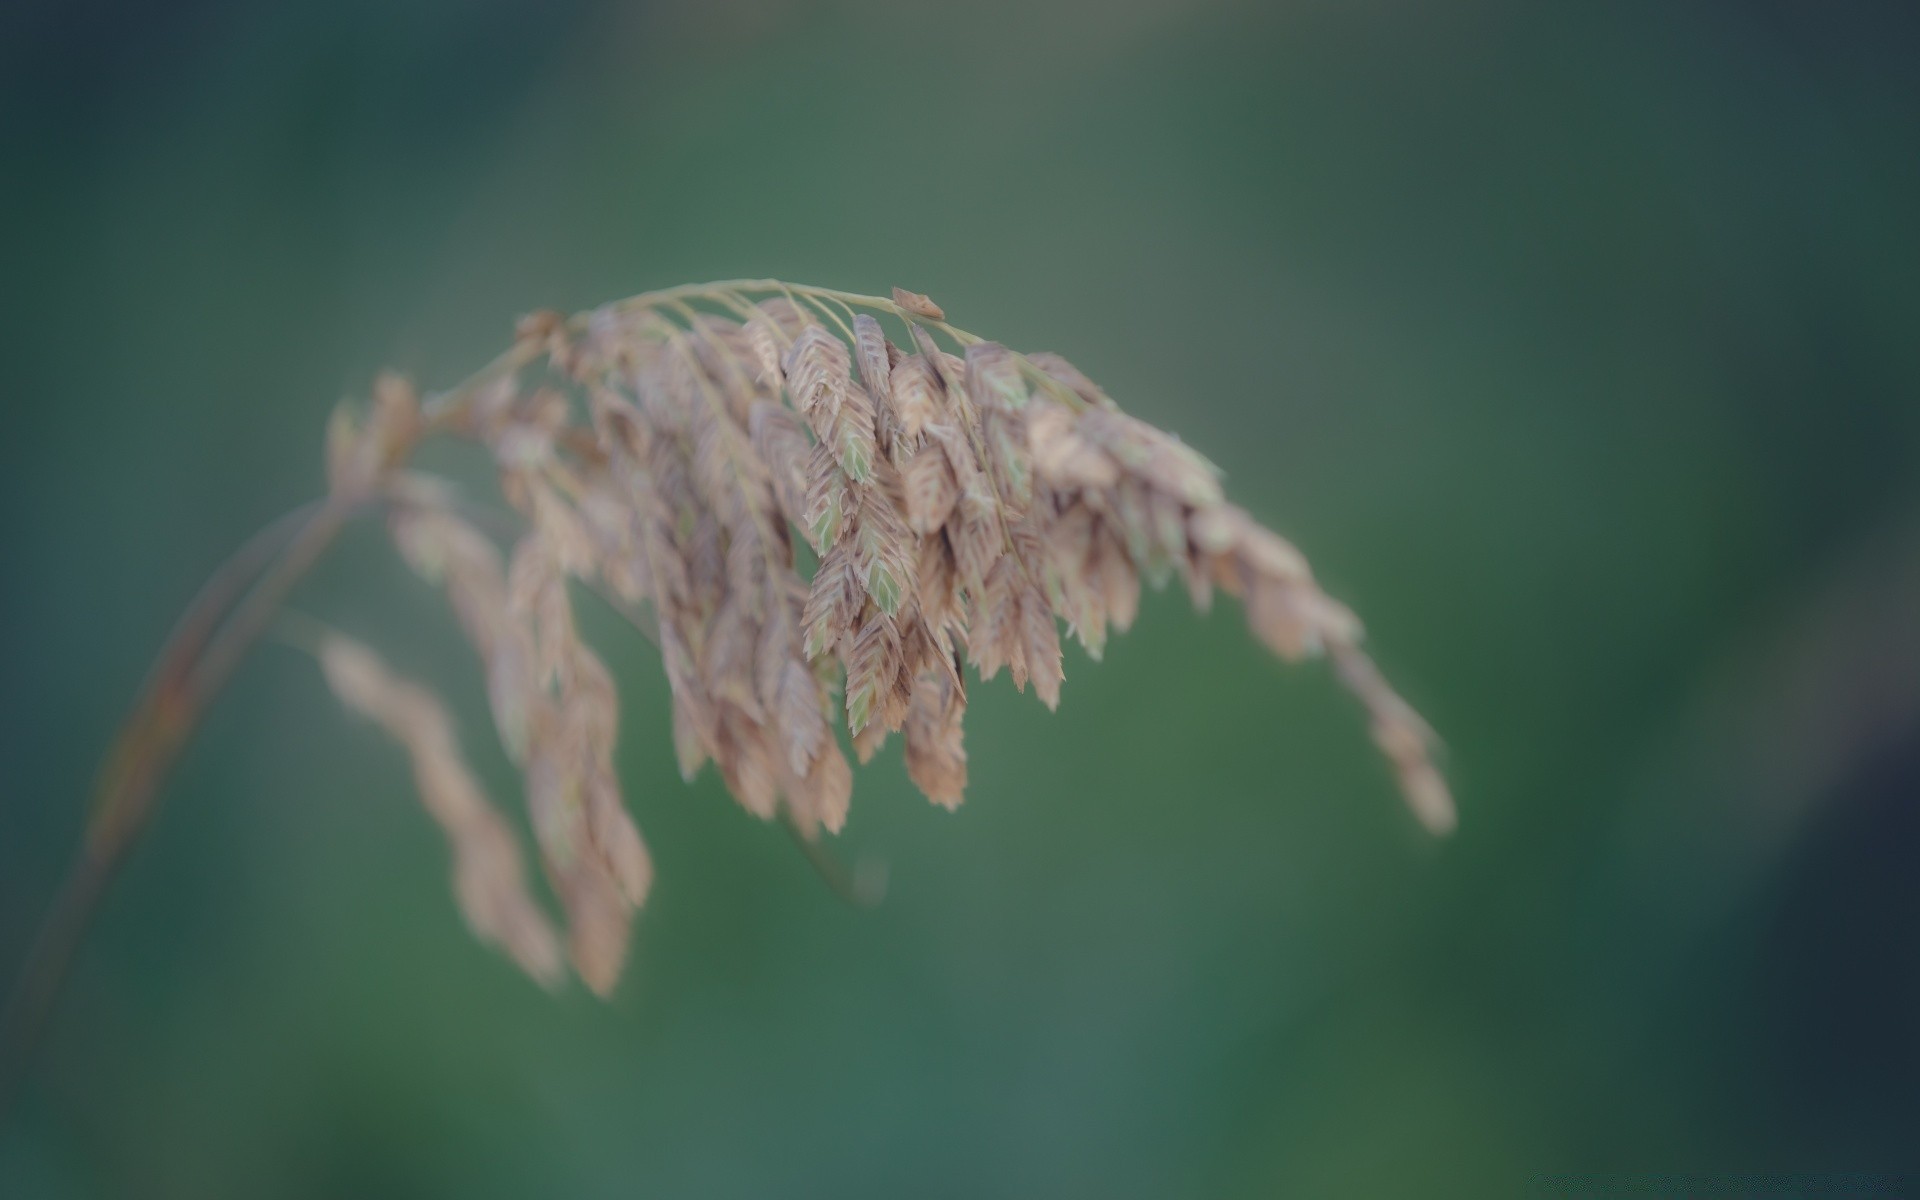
792,505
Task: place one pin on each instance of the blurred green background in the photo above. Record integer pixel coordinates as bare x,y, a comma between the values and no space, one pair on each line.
1579,345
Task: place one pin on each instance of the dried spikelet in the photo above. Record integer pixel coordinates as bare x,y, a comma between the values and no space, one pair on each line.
1402,736
1070,377
821,798
883,549
915,392
973,530
948,370
446,550
994,633
873,663
876,367
936,756
833,600
827,500
1061,456
599,902
796,703
1011,462
1040,646
871,739
764,339
930,488
918,305
537,600
360,453
488,879
782,446
787,315
936,583
993,377
540,328
1113,574
850,434
816,367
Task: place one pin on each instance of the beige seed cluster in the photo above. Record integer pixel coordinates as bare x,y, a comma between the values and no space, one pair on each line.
821,526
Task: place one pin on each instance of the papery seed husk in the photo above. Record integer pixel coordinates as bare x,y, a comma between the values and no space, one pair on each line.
918,305
915,392
930,488
871,353
993,377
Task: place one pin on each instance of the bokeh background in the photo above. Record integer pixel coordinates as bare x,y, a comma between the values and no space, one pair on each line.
1579,345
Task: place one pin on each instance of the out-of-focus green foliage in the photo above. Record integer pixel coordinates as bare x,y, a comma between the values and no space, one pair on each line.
1575,343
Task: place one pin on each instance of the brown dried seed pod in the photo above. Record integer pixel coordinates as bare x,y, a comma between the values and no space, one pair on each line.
930,488
953,442
974,533
537,600
883,545
876,368
1402,736
829,500
1160,460
361,452
1040,646
727,658
763,343
849,433
936,755
1005,435
873,660
993,377
948,370
833,601
749,764
821,797
918,305
798,710
916,393
443,548
1061,456
993,633
599,927
816,367
1070,377
691,750
870,740
617,838
1278,615
936,582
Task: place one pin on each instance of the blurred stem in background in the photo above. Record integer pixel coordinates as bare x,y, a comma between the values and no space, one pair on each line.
220,626
212,638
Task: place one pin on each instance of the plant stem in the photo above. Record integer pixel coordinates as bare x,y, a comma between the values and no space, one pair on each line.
196,661
212,638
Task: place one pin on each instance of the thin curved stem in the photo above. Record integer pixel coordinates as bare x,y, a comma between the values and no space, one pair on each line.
193,665
220,626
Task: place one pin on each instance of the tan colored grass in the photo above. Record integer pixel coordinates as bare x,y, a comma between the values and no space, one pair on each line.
823,527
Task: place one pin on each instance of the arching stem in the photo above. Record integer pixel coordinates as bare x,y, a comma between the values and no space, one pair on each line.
194,664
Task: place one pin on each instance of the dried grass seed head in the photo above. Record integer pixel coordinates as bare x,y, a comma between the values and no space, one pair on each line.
671,449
